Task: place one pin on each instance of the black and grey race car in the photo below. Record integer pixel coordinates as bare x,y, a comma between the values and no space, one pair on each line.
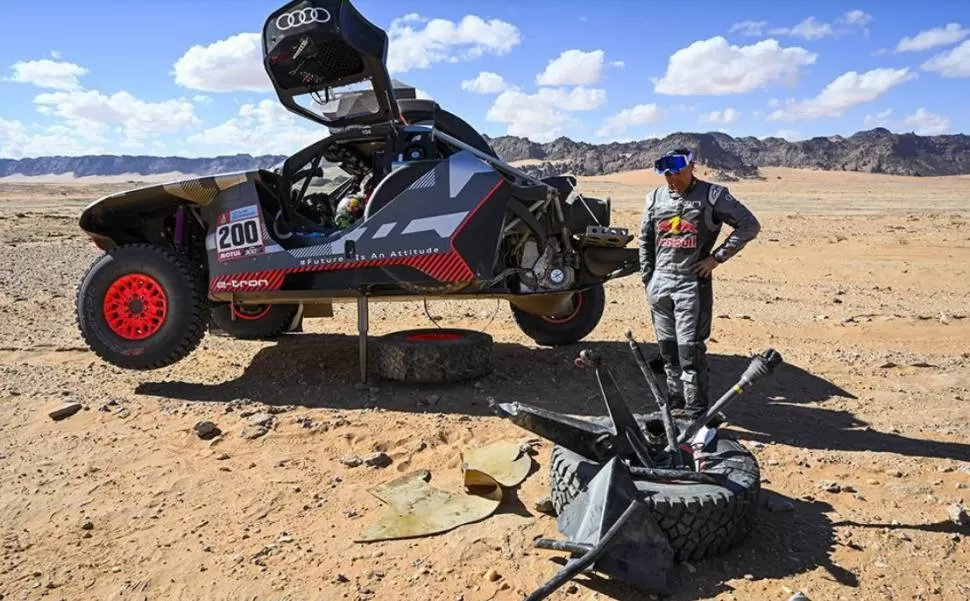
401,200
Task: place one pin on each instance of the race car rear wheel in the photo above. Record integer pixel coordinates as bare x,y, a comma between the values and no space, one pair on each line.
588,307
253,322
142,306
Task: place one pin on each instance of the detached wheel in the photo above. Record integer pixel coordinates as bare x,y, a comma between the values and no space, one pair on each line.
142,307
432,355
588,307
253,322
700,520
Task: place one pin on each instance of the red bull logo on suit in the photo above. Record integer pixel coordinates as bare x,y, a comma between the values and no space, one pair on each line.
676,232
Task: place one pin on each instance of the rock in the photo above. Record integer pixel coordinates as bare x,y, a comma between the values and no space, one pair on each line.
87,525
799,597
492,575
253,432
207,430
222,456
829,486
777,504
351,461
65,411
545,505
261,419
958,515
380,459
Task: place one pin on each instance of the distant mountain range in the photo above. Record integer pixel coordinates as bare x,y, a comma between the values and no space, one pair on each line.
873,151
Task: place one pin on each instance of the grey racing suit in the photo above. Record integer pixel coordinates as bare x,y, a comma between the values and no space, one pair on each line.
675,234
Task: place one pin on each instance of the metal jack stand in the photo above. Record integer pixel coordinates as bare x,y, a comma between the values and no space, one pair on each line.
608,525
362,324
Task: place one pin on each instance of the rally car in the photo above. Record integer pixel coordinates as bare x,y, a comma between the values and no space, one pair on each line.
400,200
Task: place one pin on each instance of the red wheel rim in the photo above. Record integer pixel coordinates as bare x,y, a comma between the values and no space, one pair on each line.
135,306
251,312
571,316
433,337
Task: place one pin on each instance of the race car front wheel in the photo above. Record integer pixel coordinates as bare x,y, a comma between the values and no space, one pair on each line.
142,306
587,310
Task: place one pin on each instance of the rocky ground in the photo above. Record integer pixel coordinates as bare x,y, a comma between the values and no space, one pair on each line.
862,436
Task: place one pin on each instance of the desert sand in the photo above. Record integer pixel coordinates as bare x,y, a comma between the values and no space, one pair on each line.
859,281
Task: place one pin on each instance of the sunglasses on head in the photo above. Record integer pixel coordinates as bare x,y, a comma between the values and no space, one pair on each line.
673,163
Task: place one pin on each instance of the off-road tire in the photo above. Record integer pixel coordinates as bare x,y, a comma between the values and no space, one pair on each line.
590,305
186,316
274,322
432,355
700,520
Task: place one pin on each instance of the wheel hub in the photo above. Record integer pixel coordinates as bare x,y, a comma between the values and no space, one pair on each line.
135,306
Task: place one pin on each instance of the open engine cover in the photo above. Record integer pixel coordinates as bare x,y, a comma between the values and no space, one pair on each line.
329,55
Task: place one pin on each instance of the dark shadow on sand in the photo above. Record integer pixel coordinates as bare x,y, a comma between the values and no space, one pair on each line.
321,371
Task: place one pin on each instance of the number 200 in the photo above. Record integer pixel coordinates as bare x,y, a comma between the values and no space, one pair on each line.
238,234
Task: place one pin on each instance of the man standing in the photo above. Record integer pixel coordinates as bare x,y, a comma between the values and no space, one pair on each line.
681,223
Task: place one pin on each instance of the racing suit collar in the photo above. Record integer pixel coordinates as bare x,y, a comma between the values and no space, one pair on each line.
690,186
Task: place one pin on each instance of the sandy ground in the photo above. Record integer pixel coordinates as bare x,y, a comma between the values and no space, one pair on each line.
860,281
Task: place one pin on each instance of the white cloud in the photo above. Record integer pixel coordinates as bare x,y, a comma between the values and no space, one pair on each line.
232,64
751,28
808,29
263,128
56,54
951,33
715,67
485,83
788,134
922,122
573,67
17,142
441,40
856,17
543,116
47,73
925,123
880,119
138,117
726,116
844,92
952,63
618,64
641,114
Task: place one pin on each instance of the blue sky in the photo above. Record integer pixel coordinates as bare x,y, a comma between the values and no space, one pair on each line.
185,78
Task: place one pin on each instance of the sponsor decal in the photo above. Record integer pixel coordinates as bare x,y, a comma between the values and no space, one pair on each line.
239,234
373,256
244,284
676,232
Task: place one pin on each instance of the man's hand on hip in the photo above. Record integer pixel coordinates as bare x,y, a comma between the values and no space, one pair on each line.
705,267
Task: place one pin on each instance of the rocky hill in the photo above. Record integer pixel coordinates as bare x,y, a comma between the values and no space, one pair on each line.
874,151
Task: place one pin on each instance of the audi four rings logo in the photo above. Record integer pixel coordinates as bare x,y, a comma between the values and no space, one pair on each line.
304,16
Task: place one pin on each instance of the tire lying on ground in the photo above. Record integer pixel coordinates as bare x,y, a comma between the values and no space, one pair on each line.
432,355
253,322
700,520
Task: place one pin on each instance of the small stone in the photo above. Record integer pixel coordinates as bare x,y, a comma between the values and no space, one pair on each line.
65,411
207,430
222,456
778,505
749,577
894,473
261,419
958,515
351,461
87,525
253,432
829,486
380,459
799,597
544,505
492,575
